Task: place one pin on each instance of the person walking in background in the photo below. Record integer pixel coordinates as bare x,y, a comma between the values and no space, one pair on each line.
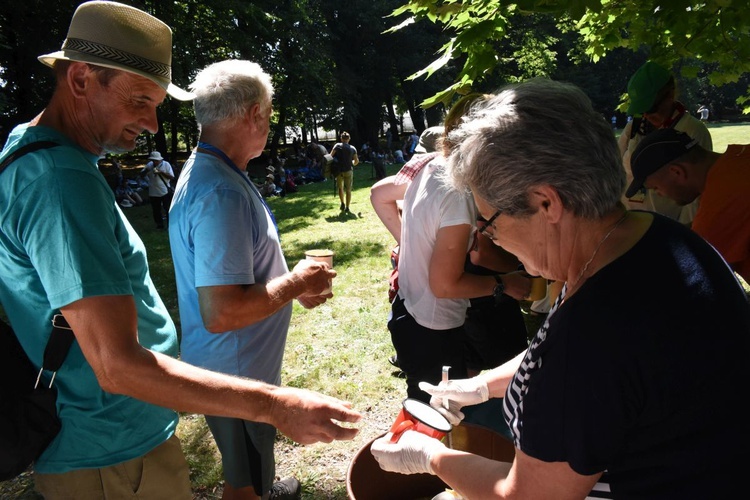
159,174
234,288
676,166
703,112
121,386
652,95
345,156
631,387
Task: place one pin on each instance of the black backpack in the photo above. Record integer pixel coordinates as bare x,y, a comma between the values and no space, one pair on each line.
342,162
28,408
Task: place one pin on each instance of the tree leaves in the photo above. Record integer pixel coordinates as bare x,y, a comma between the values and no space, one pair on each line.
714,32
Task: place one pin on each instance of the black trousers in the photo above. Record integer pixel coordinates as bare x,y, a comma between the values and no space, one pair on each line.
423,352
157,204
495,332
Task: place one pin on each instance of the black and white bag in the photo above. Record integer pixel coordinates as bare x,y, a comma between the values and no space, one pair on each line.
28,403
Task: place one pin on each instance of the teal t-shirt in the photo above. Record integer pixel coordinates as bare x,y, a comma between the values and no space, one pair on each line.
64,238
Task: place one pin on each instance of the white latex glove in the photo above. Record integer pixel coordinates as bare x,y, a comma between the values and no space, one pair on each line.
410,455
459,393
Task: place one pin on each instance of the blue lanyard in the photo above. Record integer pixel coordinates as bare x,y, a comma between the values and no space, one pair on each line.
223,156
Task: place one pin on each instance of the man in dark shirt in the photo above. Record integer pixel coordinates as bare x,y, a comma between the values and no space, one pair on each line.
345,155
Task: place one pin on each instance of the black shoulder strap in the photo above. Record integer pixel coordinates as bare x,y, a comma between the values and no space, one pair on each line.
62,336
26,149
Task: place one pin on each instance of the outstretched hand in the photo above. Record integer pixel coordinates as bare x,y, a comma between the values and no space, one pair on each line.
309,417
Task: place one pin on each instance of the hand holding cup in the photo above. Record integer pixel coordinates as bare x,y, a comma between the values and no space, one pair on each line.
317,278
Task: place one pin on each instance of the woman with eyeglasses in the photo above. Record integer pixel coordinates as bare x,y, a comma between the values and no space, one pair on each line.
428,314
632,388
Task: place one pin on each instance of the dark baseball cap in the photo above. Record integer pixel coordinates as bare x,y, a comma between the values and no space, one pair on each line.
656,150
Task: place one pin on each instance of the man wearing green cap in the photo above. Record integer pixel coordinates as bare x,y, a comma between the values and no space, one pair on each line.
651,90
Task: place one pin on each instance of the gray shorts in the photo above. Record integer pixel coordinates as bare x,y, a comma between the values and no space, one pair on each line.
246,452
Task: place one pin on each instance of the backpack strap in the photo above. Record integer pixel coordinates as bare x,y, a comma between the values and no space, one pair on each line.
25,149
57,348
62,336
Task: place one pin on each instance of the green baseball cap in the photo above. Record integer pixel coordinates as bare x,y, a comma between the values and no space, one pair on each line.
645,85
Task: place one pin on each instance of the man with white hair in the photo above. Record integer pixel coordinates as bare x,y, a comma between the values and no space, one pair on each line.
120,387
235,290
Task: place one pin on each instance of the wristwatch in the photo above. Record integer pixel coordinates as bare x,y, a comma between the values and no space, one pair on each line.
499,289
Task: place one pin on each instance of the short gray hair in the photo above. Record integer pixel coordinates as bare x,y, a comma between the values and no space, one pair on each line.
534,133
225,90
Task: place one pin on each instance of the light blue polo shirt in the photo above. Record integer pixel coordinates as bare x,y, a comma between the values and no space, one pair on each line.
64,238
221,233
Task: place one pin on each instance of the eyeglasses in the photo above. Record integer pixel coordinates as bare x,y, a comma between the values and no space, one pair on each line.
488,229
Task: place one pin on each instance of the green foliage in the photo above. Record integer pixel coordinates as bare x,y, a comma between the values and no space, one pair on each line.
711,35
370,61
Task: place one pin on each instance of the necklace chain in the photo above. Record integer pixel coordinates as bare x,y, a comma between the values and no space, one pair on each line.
596,250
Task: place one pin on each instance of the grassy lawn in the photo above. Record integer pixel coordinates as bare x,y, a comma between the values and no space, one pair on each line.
724,134
340,348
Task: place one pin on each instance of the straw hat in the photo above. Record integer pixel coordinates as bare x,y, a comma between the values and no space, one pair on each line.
155,155
118,36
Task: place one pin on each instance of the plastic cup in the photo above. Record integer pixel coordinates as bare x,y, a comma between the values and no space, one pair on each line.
326,256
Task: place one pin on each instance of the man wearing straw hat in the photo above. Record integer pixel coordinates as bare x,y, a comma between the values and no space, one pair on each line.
120,384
